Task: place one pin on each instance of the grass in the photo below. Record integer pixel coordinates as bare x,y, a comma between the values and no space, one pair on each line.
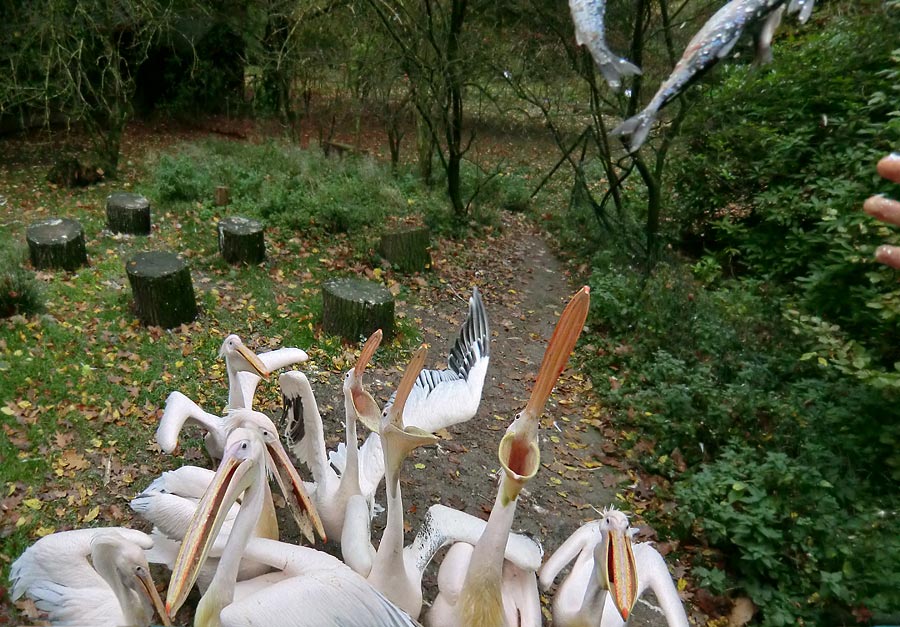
83,385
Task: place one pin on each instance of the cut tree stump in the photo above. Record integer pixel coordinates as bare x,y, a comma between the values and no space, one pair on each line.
241,240
355,308
56,243
162,289
407,249
128,213
222,195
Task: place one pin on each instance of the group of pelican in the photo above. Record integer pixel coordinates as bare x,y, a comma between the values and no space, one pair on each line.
218,529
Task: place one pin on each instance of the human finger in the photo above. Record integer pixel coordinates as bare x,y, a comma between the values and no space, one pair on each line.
889,167
883,208
888,255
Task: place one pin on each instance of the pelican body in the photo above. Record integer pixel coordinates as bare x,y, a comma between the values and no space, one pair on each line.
90,577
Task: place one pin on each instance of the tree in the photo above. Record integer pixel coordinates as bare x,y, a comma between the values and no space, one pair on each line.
77,59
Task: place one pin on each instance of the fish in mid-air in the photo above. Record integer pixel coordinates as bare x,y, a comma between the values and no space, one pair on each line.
713,42
589,31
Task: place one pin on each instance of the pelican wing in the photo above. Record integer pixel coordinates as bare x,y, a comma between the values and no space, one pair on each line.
442,398
444,525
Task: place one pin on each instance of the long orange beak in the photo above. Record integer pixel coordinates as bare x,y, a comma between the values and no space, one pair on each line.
227,484
288,480
253,360
366,408
618,570
561,345
399,440
149,588
519,453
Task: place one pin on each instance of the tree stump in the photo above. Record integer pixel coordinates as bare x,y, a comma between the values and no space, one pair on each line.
241,240
56,243
128,213
162,289
407,248
222,195
355,308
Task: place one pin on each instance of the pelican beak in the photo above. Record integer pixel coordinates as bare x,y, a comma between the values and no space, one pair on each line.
149,588
519,453
288,480
253,360
618,570
365,406
399,443
222,492
561,345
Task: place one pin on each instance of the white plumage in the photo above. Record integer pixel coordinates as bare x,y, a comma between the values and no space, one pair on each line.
245,368
89,577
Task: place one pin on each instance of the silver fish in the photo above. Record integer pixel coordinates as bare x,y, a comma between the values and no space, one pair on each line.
587,16
713,42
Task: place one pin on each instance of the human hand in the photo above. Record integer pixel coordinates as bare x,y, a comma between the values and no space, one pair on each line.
886,209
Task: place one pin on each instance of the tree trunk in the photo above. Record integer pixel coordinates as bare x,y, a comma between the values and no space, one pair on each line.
425,149
56,243
162,289
354,309
128,213
455,118
407,249
241,240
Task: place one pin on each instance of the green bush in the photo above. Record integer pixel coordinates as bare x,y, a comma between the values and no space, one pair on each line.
19,290
781,160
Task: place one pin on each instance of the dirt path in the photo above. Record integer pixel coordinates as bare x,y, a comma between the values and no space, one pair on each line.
524,288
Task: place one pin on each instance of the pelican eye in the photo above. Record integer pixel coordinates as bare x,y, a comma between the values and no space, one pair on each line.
244,446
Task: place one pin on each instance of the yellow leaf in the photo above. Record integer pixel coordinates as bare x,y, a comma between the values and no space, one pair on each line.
419,466
682,584
6,411
33,503
179,364
91,515
96,442
23,520
40,532
554,439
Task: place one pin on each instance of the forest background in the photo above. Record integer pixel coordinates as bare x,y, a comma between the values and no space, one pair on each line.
740,332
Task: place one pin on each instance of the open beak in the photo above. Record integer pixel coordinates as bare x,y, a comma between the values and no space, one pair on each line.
618,570
366,408
519,453
222,492
253,360
149,588
301,506
399,440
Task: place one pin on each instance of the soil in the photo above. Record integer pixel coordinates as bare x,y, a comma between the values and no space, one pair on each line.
524,288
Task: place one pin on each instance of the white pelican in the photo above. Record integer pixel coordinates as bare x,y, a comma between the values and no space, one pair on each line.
245,368
180,409
392,570
312,588
595,595
439,398
90,577
306,437
476,586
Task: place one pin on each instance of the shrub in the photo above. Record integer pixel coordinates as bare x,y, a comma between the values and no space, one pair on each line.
19,291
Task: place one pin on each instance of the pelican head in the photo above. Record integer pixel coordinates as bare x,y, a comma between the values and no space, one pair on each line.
618,572
401,440
279,464
363,404
239,358
123,563
519,453
241,468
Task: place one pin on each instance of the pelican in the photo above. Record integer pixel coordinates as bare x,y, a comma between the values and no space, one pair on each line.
180,409
439,398
90,577
310,587
476,587
245,368
393,571
306,436
595,595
